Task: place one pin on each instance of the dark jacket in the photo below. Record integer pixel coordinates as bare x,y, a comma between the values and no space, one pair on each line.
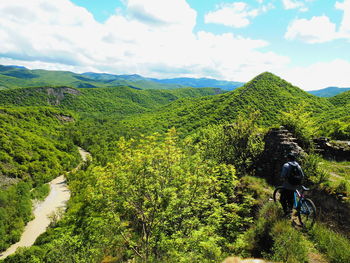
285,172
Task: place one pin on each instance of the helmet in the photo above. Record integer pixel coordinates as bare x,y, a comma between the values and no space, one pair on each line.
291,156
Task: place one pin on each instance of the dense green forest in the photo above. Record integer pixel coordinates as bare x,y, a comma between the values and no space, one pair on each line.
172,177
34,149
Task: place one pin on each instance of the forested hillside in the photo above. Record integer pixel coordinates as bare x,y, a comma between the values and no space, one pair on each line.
121,100
336,121
173,176
267,93
34,148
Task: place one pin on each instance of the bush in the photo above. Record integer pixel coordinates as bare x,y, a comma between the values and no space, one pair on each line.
313,172
40,192
239,143
299,122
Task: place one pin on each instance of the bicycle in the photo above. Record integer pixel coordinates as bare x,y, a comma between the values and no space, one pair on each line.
306,209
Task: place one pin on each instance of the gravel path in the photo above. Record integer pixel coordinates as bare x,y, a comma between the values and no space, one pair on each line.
57,199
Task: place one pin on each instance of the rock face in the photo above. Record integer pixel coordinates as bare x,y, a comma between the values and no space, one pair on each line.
278,143
56,95
333,150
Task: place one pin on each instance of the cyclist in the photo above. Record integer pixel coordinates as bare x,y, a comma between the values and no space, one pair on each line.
292,175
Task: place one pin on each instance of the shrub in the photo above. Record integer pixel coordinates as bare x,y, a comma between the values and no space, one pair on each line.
239,143
313,172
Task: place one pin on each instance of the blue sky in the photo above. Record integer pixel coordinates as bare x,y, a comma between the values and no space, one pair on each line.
304,41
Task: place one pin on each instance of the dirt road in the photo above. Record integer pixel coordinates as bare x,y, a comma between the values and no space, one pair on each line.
57,199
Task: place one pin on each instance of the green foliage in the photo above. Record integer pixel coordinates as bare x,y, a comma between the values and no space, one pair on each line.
337,129
298,121
341,99
167,197
40,192
119,100
239,143
335,246
157,201
174,194
33,150
272,238
335,121
312,169
15,211
33,145
257,241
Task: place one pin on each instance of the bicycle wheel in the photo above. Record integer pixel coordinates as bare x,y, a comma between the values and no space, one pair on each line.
307,213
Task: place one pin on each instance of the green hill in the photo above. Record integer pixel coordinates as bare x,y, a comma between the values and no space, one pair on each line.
335,122
267,93
14,77
341,99
122,100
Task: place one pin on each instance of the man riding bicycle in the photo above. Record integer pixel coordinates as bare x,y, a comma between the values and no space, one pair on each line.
292,175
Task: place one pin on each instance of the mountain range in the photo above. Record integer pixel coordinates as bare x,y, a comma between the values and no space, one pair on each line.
17,76
14,76
328,92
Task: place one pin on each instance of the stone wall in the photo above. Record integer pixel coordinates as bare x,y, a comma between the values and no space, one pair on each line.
278,143
333,150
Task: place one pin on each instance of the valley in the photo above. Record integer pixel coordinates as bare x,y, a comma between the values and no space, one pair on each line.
176,174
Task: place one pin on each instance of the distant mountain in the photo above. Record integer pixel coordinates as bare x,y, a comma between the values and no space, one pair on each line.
267,93
202,83
133,80
20,77
328,92
170,83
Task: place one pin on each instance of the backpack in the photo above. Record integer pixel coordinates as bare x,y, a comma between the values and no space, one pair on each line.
295,175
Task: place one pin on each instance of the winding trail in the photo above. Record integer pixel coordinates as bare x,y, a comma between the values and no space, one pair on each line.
56,200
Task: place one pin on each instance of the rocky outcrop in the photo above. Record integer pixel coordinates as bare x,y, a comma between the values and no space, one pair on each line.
278,143
333,150
56,95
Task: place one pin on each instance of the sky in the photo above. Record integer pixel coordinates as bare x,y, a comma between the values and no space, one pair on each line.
306,42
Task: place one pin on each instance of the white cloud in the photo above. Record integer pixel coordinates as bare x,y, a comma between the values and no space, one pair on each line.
320,75
153,38
295,4
237,14
318,29
344,30
165,12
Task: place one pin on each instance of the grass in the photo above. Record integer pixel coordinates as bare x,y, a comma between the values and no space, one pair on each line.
273,238
335,246
339,176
